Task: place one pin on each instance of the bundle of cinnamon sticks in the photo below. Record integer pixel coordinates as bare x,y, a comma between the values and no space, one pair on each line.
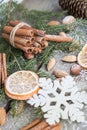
41,125
3,70
30,40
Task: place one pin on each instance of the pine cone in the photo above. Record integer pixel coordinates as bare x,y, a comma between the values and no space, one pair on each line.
77,8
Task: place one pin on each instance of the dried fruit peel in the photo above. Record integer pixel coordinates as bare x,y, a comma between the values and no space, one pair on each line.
20,85
82,57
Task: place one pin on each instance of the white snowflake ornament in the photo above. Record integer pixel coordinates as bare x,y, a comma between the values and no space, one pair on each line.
60,100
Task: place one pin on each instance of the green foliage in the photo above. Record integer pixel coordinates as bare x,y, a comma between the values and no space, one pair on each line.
80,32
39,113
16,107
2,95
44,17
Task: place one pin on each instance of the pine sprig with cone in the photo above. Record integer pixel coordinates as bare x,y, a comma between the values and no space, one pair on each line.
77,8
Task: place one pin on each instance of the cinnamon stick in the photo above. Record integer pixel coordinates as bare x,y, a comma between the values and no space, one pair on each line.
53,127
15,22
4,66
49,127
57,127
19,32
30,49
0,68
2,71
33,50
41,45
25,49
36,31
40,39
36,44
28,38
28,55
36,50
21,41
30,125
44,45
43,124
59,38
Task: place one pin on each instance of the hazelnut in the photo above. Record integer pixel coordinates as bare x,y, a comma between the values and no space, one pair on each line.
75,69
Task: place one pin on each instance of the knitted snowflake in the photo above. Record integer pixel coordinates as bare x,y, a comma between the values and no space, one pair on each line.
60,100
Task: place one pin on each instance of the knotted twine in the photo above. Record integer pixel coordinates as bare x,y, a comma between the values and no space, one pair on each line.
13,32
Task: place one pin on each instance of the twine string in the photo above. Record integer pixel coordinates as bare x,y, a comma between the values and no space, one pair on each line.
13,32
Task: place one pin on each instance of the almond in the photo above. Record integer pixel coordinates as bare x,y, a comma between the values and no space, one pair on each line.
51,64
2,116
69,58
60,73
53,23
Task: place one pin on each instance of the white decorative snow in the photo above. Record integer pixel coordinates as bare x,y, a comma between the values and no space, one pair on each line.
60,100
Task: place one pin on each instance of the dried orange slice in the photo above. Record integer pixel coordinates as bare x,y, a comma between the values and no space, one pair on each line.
21,85
82,57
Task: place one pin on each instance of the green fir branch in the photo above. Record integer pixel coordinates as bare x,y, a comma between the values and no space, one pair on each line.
3,97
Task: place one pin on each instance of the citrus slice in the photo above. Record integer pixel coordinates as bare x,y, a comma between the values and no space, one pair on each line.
82,57
84,49
21,85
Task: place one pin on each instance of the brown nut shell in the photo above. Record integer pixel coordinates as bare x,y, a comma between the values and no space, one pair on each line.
75,69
